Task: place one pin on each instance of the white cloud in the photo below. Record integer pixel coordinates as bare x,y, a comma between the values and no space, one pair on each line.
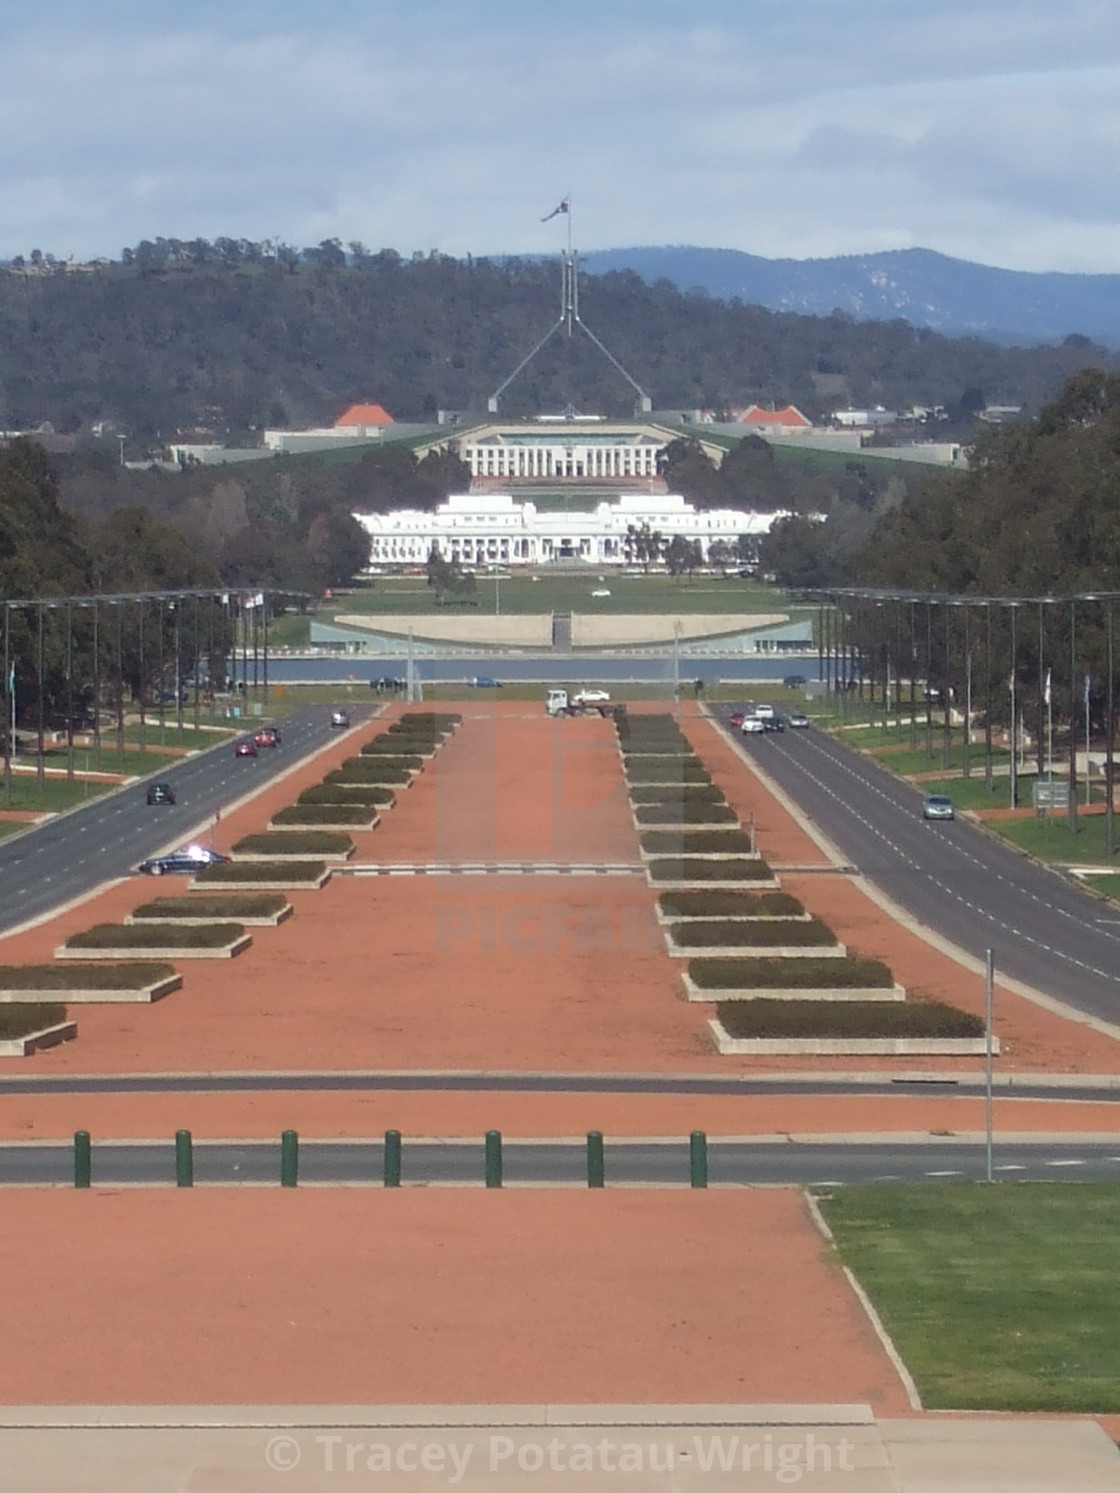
988,130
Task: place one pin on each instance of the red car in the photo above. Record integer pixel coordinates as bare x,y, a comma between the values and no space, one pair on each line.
736,718
267,736
245,748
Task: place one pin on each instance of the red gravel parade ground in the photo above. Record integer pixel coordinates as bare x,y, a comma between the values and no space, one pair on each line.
461,1295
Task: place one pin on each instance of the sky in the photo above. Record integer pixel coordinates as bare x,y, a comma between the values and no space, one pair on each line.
987,130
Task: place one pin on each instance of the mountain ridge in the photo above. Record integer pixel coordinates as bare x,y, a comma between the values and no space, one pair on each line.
955,297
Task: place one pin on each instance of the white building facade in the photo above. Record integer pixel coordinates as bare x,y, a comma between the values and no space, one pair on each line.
491,528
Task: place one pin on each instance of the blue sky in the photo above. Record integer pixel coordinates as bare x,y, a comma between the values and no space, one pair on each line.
989,131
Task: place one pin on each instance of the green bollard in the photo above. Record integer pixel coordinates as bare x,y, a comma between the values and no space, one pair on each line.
392,1158
184,1159
289,1159
698,1159
596,1168
493,1158
83,1158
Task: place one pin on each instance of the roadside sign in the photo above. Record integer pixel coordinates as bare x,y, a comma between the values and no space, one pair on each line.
1052,794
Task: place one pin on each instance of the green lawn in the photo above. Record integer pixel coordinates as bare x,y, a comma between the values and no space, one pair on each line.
57,793
998,1298
566,592
1049,839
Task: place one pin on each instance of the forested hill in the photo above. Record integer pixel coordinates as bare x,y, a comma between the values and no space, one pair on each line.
231,336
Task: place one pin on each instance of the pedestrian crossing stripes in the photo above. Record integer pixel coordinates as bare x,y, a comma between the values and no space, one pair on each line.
491,868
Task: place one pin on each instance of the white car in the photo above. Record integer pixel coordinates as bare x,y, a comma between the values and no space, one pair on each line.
592,697
752,725
765,711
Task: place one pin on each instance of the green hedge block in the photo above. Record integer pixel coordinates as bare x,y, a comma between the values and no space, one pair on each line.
705,935
686,870
130,976
790,974
763,1018
701,842
726,904
20,1019
158,936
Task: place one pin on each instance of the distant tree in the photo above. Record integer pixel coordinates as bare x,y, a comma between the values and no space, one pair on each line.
682,555
642,545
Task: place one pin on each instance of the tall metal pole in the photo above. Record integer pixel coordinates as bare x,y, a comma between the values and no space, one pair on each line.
1109,845
966,760
989,1001
913,682
1072,719
10,702
947,742
929,679
1042,693
96,682
41,772
69,693
988,695
1014,715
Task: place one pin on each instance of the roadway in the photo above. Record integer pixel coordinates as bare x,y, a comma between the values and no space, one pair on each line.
777,1162
67,856
950,876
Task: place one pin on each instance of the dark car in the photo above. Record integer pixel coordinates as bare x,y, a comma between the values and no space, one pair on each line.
794,681
245,748
267,736
773,723
484,681
187,861
161,793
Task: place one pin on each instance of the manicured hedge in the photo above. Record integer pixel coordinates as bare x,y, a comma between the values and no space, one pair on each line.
668,772
324,814
686,870
699,842
20,1018
295,842
159,936
130,976
790,974
410,763
748,931
214,909
678,812
249,871
725,904
764,1018
692,793
349,793
368,770
445,719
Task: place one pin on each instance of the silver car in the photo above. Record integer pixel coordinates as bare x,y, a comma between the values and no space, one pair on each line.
938,806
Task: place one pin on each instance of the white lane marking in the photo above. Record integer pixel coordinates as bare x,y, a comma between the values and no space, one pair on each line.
981,912
944,1174
1063,1163
1009,1166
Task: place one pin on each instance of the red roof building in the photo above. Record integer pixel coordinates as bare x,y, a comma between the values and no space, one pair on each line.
363,414
788,418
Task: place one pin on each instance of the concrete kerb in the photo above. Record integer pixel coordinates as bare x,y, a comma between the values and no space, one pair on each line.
906,920
905,1377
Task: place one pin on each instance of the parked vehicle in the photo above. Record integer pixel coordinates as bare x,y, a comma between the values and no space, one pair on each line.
794,681
161,793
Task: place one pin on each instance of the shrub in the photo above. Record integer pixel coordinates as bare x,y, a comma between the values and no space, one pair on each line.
295,842
678,812
724,904
445,719
411,763
686,870
324,814
763,1018
668,773
21,1018
130,976
250,871
747,931
158,936
367,770
214,909
349,793
790,974
651,794
702,842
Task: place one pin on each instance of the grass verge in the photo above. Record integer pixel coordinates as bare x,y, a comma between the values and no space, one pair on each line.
998,1298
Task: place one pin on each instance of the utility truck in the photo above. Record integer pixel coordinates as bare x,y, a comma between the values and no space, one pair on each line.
586,702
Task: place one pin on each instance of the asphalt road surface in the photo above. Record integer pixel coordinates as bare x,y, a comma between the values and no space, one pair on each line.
557,1163
108,837
950,875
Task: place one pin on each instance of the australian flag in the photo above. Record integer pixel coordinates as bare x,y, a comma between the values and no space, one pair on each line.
556,211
